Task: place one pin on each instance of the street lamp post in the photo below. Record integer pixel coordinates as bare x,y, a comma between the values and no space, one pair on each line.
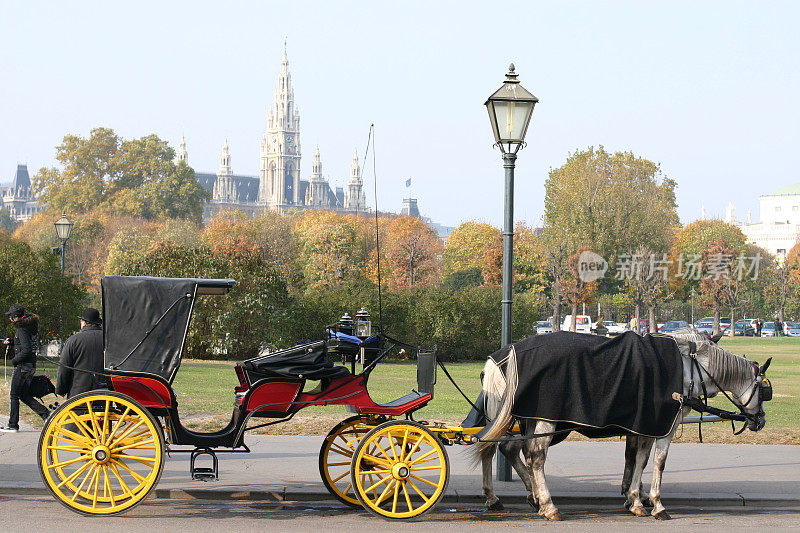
510,109
63,230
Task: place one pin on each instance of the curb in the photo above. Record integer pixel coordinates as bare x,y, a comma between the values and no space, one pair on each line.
566,499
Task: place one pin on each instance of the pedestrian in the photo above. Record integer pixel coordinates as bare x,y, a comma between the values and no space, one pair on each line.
759,324
26,348
82,352
778,327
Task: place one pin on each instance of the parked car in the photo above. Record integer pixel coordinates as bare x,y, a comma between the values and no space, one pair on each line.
792,329
743,328
768,330
706,325
542,327
583,323
614,328
673,325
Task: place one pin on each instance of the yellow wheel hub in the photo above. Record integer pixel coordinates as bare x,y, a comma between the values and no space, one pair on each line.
400,471
101,453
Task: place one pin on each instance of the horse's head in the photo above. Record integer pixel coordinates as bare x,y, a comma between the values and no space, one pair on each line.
754,396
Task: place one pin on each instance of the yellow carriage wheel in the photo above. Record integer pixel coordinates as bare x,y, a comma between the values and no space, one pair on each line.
335,457
101,453
400,470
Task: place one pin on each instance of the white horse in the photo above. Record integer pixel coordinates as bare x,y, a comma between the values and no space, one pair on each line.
721,371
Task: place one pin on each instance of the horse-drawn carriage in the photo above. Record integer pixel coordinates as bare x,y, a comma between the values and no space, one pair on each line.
103,451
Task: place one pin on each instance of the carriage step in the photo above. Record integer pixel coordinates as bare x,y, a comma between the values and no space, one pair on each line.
204,473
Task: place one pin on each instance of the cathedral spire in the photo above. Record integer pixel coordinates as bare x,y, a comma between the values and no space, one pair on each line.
182,154
225,161
316,167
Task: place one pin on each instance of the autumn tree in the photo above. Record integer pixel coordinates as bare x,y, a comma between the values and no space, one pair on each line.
413,251
466,247
328,248
555,252
646,276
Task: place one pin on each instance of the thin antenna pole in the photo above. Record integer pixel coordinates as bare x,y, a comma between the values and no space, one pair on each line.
377,233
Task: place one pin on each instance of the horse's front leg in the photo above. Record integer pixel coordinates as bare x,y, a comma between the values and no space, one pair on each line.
536,459
633,500
512,450
659,461
492,501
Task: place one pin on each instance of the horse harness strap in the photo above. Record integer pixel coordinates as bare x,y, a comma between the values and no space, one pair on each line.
702,406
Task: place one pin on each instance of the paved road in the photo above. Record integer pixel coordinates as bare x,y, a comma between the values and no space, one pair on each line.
27,513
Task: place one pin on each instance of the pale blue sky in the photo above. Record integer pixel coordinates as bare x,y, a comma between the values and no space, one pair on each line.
707,89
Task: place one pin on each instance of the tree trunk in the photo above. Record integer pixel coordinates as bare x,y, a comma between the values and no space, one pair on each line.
557,312
733,324
651,315
637,312
716,320
574,317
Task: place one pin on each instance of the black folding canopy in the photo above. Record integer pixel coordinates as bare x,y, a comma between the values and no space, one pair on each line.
145,320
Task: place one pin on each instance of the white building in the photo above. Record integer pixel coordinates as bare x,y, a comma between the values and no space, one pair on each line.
778,228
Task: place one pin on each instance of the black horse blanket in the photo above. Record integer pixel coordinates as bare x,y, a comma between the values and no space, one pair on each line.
618,385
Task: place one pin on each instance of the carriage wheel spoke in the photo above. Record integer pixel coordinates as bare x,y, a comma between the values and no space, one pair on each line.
105,421
76,449
334,480
83,457
72,477
408,499
385,492
392,445
117,425
143,460
376,485
137,444
415,447
82,427
418,469
95,425
394,497
135,474
431,483
110,488
125,488
89,473
125,433
340,450
96,481
419,492
420,459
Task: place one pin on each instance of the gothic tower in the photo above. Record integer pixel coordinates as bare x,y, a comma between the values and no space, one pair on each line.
182,154
224,185
317,192
355,200
280,147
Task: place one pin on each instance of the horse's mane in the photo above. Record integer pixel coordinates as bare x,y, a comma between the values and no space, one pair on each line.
730,370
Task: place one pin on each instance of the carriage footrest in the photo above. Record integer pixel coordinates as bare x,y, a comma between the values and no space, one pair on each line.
204,473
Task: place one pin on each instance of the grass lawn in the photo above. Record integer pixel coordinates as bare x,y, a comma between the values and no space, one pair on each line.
205,396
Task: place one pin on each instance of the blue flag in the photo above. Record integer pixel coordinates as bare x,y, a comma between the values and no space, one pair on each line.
408,182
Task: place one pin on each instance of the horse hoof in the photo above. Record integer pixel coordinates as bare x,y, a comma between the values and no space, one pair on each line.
662,515
496,506
556,516
639,511
532,502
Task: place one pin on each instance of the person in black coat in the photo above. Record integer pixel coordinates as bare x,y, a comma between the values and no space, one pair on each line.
82,351
26,348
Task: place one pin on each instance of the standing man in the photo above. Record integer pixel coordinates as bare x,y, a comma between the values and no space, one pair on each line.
759,324
26,348
82,351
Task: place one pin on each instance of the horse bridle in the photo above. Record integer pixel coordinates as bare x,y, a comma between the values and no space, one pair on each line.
764,393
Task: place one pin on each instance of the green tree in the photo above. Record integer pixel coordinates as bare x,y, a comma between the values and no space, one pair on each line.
34,280
135,177
611,203
329,248
6,222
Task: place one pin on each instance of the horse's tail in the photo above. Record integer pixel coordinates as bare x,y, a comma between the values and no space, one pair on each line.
499,391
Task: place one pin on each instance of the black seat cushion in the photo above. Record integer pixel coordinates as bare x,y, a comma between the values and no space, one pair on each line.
308,361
